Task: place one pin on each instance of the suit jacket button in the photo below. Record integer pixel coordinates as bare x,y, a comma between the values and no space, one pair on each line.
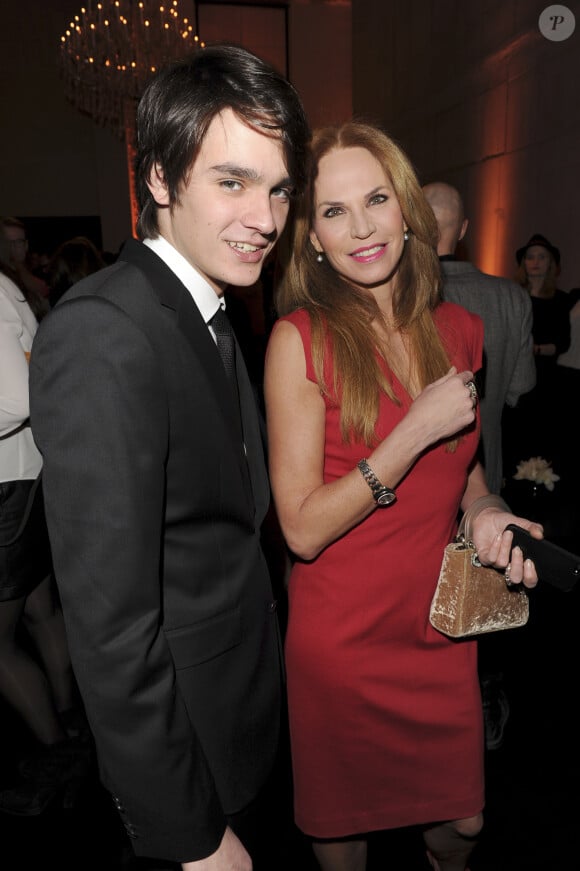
272,606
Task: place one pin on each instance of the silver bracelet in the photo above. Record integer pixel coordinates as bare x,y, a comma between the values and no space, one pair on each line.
476,507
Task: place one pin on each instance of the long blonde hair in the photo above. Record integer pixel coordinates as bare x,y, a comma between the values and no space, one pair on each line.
345,312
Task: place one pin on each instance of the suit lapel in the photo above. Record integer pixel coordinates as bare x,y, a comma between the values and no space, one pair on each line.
174,295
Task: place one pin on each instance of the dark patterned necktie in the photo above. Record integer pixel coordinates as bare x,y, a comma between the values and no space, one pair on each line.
226,344
222,328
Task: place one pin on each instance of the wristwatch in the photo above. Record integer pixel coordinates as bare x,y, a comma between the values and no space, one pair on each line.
381,494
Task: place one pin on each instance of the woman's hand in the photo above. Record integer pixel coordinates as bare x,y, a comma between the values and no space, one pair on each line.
494,544
445,407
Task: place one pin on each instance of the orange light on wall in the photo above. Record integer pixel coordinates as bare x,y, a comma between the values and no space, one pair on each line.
494,188
488,218
108,53
129,136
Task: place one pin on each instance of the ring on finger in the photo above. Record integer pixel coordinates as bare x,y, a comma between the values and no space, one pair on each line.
471,386
507,575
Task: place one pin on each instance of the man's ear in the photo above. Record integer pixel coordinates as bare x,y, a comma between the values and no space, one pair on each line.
315,243
463,230
157,186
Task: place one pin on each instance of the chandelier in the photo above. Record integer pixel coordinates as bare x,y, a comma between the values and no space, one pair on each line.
109,52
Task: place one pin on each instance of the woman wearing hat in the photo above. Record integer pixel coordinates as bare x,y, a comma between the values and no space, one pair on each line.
532,428
538,268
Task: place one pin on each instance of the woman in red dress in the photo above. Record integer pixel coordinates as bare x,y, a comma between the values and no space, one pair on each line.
373,430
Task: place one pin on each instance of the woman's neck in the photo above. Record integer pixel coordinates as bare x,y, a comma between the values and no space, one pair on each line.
536,285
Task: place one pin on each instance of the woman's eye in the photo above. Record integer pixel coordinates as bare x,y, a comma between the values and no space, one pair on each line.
332,212
378,199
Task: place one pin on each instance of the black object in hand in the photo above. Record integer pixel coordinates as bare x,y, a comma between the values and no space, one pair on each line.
554,564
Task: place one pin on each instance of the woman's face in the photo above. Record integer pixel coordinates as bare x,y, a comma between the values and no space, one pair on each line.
358,224
537,261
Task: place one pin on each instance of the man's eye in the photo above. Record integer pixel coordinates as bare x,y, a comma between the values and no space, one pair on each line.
284,194
231,184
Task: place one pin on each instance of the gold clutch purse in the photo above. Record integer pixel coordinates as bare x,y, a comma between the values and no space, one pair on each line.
471,599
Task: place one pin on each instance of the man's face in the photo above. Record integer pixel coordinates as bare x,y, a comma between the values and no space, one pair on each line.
18,243
233,206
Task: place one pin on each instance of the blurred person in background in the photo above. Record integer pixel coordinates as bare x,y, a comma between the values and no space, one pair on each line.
72,260
41,690
14,231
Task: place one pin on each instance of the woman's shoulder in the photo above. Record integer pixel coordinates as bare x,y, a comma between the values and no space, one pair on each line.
299,317
456,315
462,334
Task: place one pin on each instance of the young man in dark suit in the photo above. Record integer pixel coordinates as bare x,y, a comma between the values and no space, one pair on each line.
154,475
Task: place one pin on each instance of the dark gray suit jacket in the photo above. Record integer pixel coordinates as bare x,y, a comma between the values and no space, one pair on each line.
509,368
155,534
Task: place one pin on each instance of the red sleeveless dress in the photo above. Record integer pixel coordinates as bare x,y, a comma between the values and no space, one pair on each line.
385,713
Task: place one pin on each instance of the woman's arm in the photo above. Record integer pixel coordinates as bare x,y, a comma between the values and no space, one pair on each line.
487,517
313,514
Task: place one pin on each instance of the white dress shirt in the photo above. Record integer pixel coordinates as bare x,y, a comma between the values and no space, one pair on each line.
19,456
203,294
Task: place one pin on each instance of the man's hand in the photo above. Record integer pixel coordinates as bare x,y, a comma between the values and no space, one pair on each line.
230,856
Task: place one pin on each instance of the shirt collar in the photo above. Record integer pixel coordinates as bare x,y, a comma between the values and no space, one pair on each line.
201,291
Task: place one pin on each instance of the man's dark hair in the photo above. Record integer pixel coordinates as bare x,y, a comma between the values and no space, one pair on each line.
180,102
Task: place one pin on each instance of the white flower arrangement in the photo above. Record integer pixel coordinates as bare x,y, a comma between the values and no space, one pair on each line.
538,470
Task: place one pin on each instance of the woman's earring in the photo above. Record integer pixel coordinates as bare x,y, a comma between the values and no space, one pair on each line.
319,257
406,236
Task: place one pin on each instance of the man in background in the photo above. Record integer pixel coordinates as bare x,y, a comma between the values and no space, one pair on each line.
506,312
14,232
508,372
